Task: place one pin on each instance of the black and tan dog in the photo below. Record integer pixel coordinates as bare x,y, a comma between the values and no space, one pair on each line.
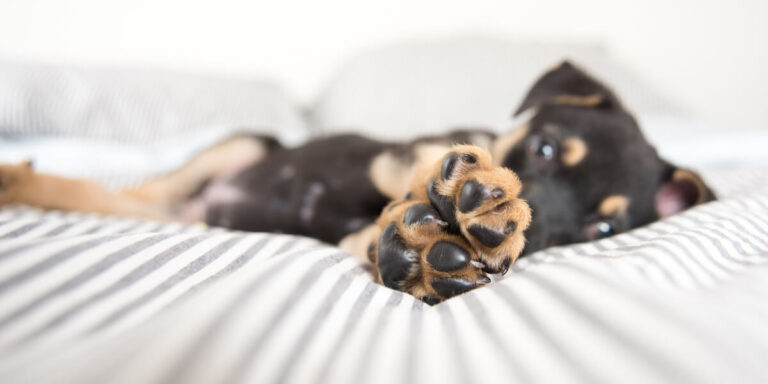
435,215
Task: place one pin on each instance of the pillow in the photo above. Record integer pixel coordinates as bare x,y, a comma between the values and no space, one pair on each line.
424,87
139,106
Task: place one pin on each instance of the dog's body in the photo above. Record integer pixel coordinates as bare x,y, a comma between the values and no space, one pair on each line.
328,188
586,171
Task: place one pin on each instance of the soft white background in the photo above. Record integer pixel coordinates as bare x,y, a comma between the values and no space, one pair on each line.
711,56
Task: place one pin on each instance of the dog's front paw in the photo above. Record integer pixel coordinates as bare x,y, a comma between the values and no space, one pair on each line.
463,219
488,212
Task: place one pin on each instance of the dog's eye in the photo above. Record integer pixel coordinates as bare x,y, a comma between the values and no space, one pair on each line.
599,230
545,150
542,148
604,229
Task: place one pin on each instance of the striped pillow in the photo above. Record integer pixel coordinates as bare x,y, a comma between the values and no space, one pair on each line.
139,106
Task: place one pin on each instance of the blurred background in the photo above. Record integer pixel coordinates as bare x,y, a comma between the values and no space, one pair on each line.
709,56
144,84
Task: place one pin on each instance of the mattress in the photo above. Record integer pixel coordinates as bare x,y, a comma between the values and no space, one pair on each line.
92,299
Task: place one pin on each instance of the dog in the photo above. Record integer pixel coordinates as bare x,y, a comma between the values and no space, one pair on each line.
435,215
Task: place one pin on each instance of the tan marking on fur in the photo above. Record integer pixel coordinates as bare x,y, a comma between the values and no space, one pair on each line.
613,205
393,177
701,189
357,243
504,144
153,200
387,173
574,151
21,185
578,101
221,160
482,141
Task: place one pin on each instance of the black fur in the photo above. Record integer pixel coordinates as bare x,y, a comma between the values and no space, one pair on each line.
322,189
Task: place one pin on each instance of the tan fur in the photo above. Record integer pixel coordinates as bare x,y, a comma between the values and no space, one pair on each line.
578,101
505,143
393,176
21,185
613,205
222,160
496,214
357,243
574,151
153,200
482,141
449,187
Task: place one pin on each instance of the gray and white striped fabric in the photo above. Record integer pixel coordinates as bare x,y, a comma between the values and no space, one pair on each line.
90,299
139,106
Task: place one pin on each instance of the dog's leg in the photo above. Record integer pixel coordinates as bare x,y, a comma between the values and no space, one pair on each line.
358,243
219,161
462,219
157,199
20,184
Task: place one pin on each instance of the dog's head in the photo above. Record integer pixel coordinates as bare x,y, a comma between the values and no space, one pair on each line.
587,170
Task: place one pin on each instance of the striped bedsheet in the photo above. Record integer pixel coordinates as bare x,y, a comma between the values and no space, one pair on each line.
92,299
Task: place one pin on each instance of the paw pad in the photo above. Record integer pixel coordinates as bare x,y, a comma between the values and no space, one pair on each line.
394,258
489,237
452,160
422,214
449,287
446,257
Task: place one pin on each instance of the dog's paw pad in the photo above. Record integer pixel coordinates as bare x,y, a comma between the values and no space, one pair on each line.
445,256
394,259
421,214
444,206
455,160
449,287
489,237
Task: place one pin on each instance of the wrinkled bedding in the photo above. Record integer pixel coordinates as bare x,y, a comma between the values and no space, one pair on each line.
92,299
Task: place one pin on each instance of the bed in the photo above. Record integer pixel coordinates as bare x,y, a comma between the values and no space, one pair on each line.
88,298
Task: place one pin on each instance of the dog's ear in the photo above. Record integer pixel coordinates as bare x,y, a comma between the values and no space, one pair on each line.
566,84
680,190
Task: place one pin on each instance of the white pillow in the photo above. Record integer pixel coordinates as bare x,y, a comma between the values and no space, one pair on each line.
139,106
424,87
